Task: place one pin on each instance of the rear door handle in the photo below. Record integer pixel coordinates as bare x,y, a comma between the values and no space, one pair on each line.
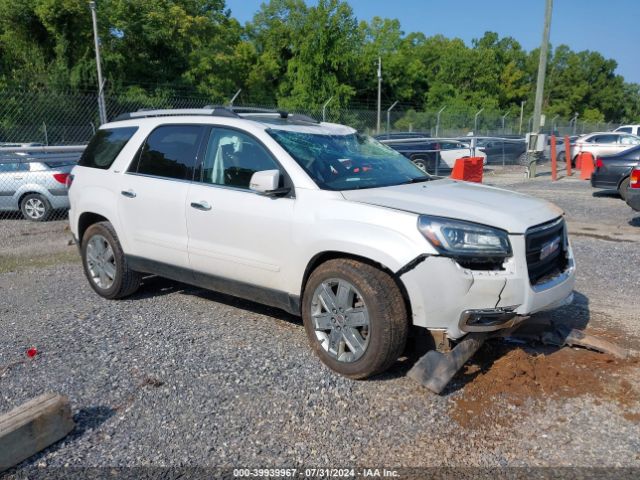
202,205
128,193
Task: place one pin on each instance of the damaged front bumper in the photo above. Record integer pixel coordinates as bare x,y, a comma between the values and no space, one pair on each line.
445,296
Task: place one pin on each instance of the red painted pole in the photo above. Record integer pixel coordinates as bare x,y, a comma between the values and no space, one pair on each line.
554,159
567,154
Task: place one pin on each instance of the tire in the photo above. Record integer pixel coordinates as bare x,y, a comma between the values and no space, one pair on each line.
35,208
421,163
562,157
378,320
624,186
107,270
523,159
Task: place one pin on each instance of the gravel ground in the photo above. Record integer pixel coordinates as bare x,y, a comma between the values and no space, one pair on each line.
178,376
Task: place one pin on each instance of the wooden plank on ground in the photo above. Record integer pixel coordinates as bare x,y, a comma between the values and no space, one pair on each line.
32,427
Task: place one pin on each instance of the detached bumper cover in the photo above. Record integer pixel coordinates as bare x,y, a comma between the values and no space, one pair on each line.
446,296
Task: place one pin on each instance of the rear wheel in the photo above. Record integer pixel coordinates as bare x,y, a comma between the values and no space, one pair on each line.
104,263
355,318
624,186
35,207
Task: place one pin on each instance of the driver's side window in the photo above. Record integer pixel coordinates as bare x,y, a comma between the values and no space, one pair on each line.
232,157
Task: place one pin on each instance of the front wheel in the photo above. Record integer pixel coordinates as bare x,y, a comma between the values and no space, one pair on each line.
104,263
355,317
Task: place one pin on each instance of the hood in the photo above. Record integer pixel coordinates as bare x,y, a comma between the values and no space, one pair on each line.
473,202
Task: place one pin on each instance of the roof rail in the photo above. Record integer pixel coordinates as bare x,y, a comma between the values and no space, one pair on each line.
214,111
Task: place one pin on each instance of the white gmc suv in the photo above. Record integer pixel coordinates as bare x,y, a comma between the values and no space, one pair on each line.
318,220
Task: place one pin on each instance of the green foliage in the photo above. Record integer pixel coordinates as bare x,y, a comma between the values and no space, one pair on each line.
297,56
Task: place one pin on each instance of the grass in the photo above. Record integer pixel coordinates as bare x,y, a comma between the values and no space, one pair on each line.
23,262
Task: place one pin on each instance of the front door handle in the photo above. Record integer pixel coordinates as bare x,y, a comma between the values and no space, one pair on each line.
128,193
202,205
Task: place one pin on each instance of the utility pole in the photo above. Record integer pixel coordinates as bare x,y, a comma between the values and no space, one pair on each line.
379,93
542,68
521,116
102,110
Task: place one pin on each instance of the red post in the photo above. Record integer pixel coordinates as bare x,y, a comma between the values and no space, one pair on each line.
554,159
567,154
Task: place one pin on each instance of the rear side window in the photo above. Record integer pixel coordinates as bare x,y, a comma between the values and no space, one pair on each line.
624,129
605,139
105,146
13,167
170,151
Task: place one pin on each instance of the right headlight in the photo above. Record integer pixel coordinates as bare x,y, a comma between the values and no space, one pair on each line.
457,238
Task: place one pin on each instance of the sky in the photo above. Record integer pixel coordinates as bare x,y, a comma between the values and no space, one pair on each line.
607,27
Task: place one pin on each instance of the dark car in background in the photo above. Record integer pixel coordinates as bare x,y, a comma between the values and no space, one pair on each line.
434,155
613,171
501,150
633,192
401,135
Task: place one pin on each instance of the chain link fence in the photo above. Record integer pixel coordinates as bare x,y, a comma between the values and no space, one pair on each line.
32,179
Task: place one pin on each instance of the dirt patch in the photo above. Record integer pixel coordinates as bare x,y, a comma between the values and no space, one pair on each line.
504,378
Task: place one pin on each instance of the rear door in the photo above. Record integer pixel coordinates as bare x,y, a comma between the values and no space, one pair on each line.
153,193
234,232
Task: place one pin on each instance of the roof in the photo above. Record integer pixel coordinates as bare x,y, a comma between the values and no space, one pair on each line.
267,119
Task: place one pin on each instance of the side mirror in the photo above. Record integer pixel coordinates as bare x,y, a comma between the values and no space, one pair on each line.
266,182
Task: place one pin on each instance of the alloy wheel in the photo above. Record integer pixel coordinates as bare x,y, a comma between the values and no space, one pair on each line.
341,320
101,262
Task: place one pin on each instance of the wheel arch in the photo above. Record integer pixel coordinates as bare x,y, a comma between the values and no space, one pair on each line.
322,257
30,191
625,177
86,219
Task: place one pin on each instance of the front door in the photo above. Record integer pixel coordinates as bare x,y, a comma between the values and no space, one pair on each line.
235,233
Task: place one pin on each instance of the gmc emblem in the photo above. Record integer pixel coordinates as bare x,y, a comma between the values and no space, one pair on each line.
550,247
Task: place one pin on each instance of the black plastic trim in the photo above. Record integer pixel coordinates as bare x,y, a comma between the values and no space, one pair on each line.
267,296
412,264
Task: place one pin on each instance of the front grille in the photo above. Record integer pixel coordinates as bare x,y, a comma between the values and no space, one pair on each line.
544,260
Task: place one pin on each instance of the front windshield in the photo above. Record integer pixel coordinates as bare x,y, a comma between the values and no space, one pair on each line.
347,162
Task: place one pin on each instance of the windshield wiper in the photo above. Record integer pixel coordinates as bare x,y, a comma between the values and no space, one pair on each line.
425,178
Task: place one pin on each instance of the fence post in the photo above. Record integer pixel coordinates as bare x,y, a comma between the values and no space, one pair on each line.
567,154
438,120
389,116
475,121
324,108
503,119
46,137
554,159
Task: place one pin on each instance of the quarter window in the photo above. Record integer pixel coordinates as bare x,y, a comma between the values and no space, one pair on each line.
629,140
105,146
233,157
14,167
170,151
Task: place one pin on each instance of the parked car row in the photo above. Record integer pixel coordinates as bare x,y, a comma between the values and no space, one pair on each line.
617,161
433,155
